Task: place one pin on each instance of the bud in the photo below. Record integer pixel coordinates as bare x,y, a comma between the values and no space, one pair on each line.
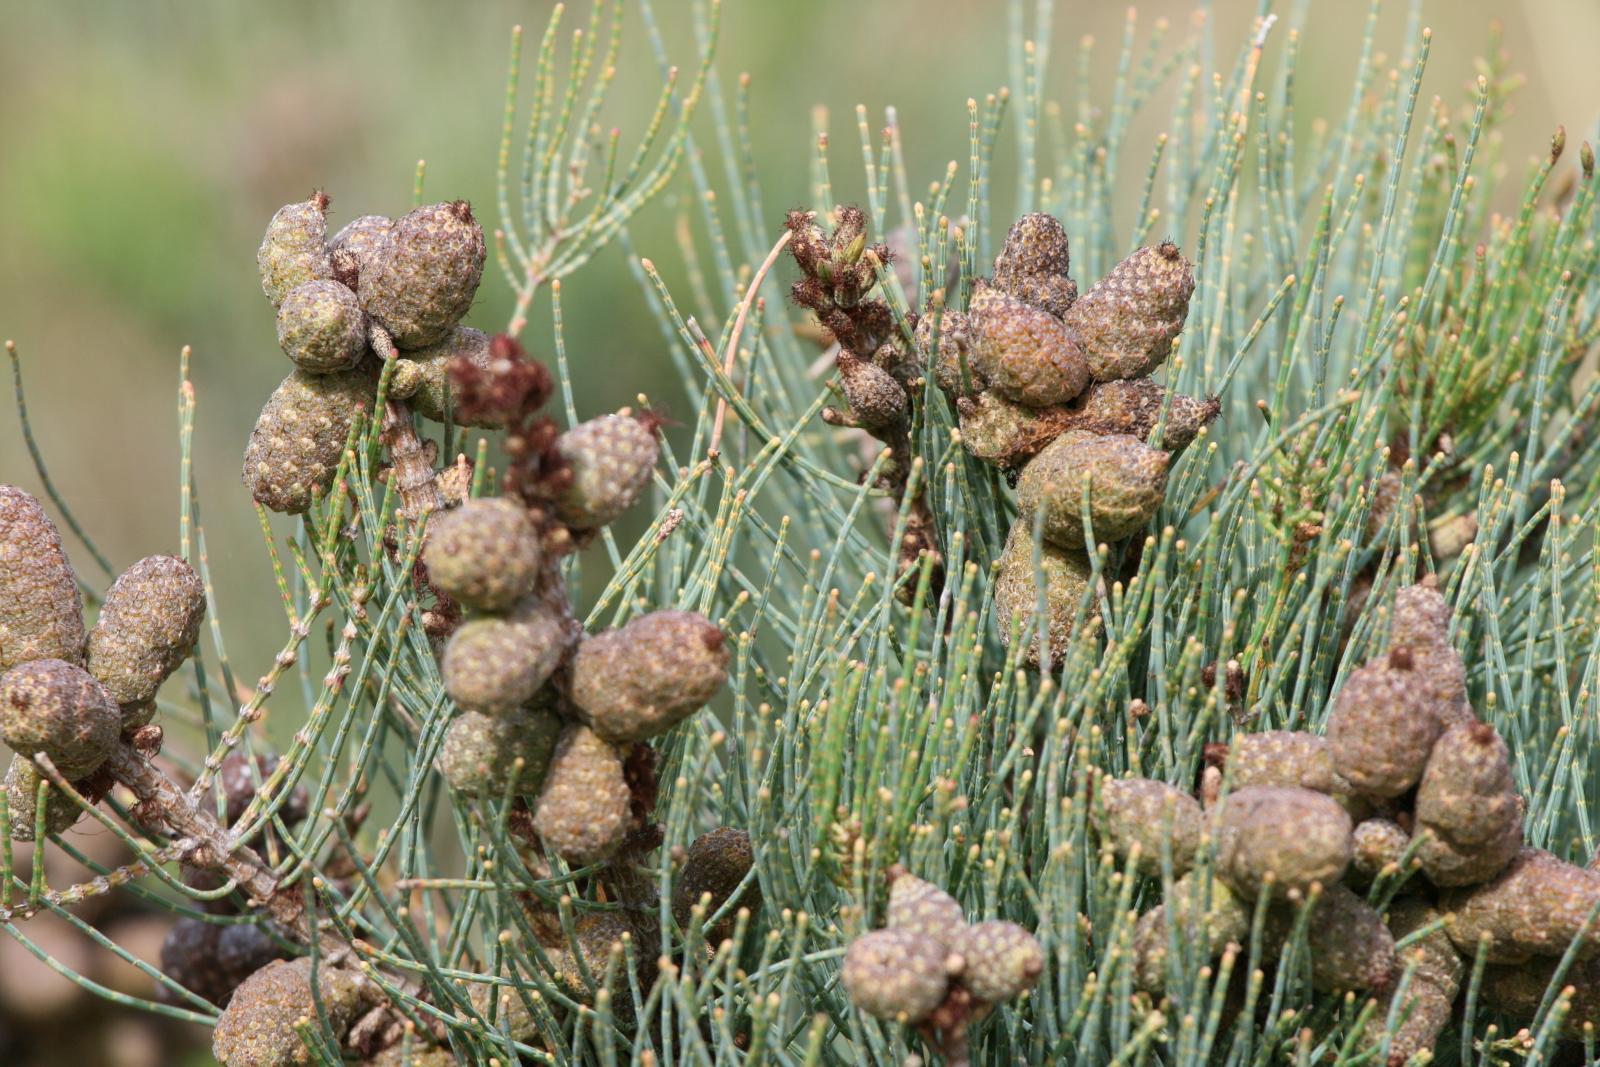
485,554
41,616
433,393
362,238
293,251
1125,323
1125,482
1382,729
257,1029
425,272
1294,836
148,625
896,974
57,709
1152,815
717,863
1134,407
1023,353
479,754
640,681
321,328
1535,907
495,664
584,810
611,459
923,908
299,437
1002,960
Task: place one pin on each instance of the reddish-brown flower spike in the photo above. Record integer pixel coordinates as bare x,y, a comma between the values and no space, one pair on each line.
41,616
1126,322
425,272
494,383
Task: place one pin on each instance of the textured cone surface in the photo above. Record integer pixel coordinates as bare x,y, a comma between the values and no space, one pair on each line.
1518,991
1382,729
611,459
363,238
321,328
894,974
954,355
1006,434
1289,757
425,273
1435,981
1204,912
1376,843
583,812
1024,354
1125,481
1065,574
480,751
1295,836
1034,262
294,250
1351,948
433,396
1131,812
422,1056
877,401
1134,408
1421,617
22,793
1468,803
1002,960
485,554
148,625
257,1029
921,907
716,864
41,616
57,709
299,437
1125,323
1535,907
640,681
213,960
495,664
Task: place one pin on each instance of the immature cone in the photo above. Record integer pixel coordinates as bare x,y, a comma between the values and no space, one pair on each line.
923,908
1152,815
22,794
213,960
294,250
1023,353
1205,912
479,754
258,1027
1288,757
427,386
1519,991
955,368
1134,408
716,864
1468,805
321,328
1350,946
1033,264
584,810
1382,727
1065,574
1376,844
896,974
299,437
640,681
1281,839
1435,981
41,616
1421,624
1002,960
611,459
877,401
363,238
1125,323
148,625
498,663
424,273
1125,481
1535,907
1006,434
485,554
57,709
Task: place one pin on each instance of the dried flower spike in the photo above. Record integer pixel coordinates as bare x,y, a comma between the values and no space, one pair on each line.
1151,815
41,616
611,459
425,272
896,974
148,625
294,250
1124,479
321,328
640,681
480,751
495,664
485,554
1125,323
57,709
584,810
299,437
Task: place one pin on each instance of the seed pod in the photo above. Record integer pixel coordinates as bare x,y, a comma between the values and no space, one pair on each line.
1034,262
363,238
717,864
1023,353
1134,407
257,1029
1281,839
299,437
1125,482
923,908
896,974
584,810
877,401
496,664
41,616
955,368
1378,843
57,709
321,328
1205,912
1350,946
1065,574
611,459
479,753
1002,960
430,391
1152,815
424,273
1125,323
293,251
148,625
22,795
213,960
486,553
1467,801
1519,990
1535,907
1006,434
640,681
1382,727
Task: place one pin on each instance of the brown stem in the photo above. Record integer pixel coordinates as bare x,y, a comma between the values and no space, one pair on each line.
415,479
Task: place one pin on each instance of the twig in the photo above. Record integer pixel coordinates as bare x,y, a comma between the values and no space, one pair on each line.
414,476
731,352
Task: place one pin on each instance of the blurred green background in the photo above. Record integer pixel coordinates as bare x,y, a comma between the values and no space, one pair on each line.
145,146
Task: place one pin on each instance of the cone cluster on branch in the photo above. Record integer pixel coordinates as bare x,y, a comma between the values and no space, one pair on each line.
1054,389
1406,781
